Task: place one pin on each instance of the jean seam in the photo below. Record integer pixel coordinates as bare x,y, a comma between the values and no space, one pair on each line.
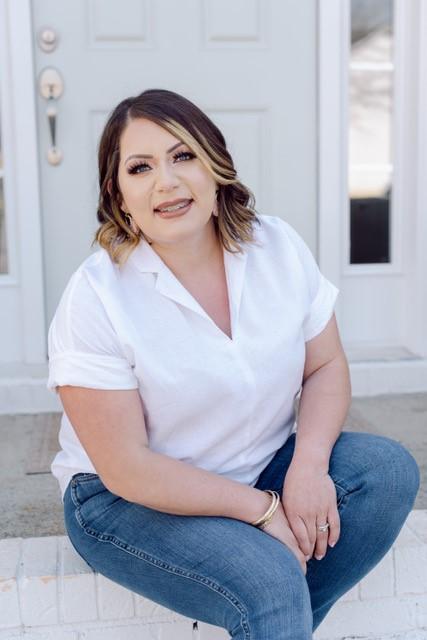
73,495
85,478
342,503
343,495
80,519
102,537
340,484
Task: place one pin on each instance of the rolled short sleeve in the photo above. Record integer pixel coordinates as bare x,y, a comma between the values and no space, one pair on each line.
322,293
83,347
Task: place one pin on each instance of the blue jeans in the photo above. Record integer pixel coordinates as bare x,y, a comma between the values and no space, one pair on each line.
230,574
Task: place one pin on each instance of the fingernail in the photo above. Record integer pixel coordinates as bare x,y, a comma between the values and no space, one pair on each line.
307,557
319,557
332,544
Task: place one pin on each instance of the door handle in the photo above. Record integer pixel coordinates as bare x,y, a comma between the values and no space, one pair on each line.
51,87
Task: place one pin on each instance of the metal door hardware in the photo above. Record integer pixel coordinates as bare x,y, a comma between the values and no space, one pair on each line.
47,39
51,87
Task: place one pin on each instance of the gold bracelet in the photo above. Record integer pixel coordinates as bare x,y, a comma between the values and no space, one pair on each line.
262,522
269,517
265,519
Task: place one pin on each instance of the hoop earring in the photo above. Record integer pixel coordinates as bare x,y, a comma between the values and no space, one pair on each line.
215,209
131,223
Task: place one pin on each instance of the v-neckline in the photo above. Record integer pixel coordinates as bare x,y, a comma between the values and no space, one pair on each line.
228,294
146,260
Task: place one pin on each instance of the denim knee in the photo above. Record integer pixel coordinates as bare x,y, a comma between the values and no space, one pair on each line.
412,472
283,606
399,470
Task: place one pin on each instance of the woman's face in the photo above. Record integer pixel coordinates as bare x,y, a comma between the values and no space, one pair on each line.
171,172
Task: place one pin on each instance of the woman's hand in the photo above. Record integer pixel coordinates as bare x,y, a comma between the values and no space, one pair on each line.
309,499
279,528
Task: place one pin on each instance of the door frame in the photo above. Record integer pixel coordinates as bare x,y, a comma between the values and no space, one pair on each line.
331,119
420,333
23,198
22,182
373,377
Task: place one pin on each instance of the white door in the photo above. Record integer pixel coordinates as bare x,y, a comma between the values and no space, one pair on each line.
22,317
372,196
248,64
380,228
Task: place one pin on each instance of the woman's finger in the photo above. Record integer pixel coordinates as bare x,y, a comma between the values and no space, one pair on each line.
300,532
322,537
312,533
334,526
292,543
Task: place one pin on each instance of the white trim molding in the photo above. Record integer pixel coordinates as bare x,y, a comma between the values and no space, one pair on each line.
379,374
332,189
420,333
22,195
11,278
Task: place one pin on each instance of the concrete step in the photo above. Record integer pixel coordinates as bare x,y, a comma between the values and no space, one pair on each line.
47,592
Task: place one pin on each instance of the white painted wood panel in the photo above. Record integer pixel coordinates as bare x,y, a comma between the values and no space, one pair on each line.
382,306
237,61
22,313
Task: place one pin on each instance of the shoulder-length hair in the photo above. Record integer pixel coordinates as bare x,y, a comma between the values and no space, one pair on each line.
188,123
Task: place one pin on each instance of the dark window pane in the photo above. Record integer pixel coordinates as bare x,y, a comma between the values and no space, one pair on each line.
370,228
370,130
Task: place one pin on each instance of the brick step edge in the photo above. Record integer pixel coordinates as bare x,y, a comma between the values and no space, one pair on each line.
48,591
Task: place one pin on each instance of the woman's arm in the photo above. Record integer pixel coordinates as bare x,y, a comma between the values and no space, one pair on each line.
309,494
325,399
111,427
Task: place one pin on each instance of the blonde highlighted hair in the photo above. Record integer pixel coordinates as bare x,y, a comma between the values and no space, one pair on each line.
183,119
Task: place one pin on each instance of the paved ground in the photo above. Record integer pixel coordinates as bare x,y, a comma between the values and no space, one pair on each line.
31,505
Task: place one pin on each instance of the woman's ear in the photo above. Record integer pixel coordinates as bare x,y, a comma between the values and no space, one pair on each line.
110,189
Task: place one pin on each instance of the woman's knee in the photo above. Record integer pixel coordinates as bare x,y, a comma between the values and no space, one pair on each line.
393,467
399,470
378,462
277,598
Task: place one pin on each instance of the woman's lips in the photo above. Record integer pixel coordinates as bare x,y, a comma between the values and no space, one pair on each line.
174,214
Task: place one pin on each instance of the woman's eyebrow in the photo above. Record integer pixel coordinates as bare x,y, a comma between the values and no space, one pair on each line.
142,155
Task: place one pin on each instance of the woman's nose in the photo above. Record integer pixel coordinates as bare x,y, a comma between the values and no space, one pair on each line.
166,177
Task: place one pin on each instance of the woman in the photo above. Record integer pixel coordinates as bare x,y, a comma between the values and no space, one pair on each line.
178,350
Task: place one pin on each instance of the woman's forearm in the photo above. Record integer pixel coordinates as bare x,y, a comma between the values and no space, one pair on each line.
167,484
324,404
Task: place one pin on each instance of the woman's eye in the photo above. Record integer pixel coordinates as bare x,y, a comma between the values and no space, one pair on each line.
134,168
188,155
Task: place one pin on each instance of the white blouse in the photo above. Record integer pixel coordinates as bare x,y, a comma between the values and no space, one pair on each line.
221,404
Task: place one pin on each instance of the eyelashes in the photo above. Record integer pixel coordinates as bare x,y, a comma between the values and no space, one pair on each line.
133,169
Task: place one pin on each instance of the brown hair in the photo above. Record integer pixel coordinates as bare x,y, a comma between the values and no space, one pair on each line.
182,118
